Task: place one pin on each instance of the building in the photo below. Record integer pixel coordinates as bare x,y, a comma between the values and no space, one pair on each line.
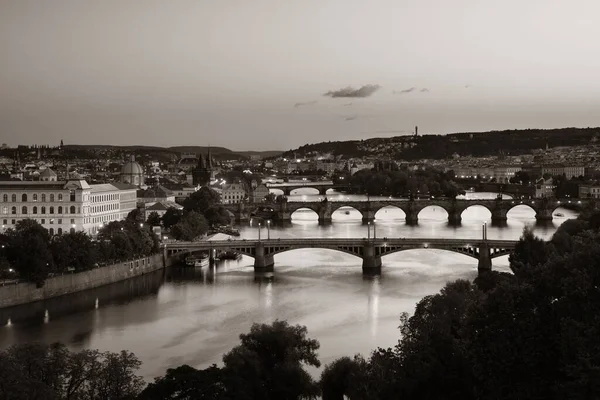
132,173
63,206
571,171
203,173
154,194
48,175
259,193
544,188
589,191
233,193
160,208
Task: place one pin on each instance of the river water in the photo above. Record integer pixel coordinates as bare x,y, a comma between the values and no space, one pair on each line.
190,316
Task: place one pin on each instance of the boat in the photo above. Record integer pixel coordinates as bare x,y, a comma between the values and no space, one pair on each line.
559,215
197,261
347,212
229,255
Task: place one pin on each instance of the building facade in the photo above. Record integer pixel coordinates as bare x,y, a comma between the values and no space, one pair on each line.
132,173
589,191
233,193
64,206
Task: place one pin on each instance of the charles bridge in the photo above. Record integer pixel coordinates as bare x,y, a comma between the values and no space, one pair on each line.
282,211
369,249
322,187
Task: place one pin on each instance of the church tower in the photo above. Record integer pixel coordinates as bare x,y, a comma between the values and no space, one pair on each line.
202,174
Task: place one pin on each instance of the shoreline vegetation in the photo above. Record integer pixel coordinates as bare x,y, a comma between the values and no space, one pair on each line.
531,334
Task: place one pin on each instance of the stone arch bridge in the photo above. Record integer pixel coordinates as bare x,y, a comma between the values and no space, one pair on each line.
544,208
370,250
322,187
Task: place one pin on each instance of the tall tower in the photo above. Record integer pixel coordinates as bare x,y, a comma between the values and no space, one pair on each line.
201,173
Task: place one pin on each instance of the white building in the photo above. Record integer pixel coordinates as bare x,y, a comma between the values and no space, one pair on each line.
233,193
63,206
589,191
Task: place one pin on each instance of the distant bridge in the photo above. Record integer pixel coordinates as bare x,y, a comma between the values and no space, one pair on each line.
322,186
370,250
544,208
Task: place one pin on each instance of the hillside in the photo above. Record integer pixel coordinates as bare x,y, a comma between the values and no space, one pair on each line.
479,144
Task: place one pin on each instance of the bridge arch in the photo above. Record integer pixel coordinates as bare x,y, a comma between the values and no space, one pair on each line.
276,191
434,212
346,212
476,208
472,252
303,210
390,212
525,207
304,190
355,251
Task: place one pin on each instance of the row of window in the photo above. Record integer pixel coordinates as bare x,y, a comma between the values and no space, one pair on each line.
104,197
34,197
42,221
34,210
105,207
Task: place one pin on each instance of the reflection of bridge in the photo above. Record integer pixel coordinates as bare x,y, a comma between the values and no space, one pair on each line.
322,187
370,250
544,208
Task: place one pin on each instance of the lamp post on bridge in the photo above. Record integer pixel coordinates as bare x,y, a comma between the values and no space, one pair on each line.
259,225
484,231
369,230
268,229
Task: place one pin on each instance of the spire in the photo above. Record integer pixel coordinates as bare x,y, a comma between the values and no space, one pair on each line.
132,158
208,158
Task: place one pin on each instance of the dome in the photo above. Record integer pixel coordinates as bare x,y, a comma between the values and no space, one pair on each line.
132,168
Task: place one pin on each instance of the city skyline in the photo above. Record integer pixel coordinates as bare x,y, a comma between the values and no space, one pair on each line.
268,75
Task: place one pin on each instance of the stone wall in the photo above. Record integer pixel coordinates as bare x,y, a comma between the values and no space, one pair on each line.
21,293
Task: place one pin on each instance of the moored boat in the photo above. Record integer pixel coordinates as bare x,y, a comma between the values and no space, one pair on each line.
229,255
197,261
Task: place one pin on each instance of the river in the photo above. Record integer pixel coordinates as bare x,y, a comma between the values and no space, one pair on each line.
179,316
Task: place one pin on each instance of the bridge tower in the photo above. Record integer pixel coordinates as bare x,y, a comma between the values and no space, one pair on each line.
485,259
371,262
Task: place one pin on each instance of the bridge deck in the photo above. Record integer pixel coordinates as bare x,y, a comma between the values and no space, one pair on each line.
424,242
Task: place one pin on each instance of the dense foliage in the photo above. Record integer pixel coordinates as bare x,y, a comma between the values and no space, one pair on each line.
33,254
35,371
426,182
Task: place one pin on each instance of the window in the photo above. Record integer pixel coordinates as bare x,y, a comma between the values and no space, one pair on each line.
72,195
43,197
51,209
51,231
51,221
13,198
4,221
35,197
72,221
60,231
60,197
13,210
35,209
43,221
60,209
43,209
72,211
24,197
24,210
72,230
51,197
5,198
13,221
60,221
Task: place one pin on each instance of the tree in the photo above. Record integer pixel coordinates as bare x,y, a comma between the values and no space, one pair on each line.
28,251
529,251
201,200
190,227
336,378
73,250
268,364
270,198
135,216
185,382
153,219
171,217
217,215
37,371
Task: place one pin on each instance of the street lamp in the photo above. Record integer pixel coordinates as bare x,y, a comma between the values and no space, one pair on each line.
374,231
268,229
369,230
259,224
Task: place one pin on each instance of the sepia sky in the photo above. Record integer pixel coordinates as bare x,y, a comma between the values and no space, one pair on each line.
276,74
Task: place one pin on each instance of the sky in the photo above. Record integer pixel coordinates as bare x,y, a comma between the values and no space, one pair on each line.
277,74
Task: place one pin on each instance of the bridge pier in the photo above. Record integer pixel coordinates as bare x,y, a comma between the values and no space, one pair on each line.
454,217
368,215
262,262
499,215
544,214
485,261
371,262
412,217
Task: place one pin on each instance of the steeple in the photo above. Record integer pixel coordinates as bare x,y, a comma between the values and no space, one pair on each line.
208,158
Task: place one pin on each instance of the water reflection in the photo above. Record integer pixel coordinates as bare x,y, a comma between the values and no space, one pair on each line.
193,316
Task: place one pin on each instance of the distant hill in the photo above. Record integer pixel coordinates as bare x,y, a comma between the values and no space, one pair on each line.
428,146
217,152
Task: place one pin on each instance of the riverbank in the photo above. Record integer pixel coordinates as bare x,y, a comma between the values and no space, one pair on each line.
23,293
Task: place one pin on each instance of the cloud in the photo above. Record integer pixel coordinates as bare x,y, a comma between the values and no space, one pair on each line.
424,90
363,91
306,103
403,91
